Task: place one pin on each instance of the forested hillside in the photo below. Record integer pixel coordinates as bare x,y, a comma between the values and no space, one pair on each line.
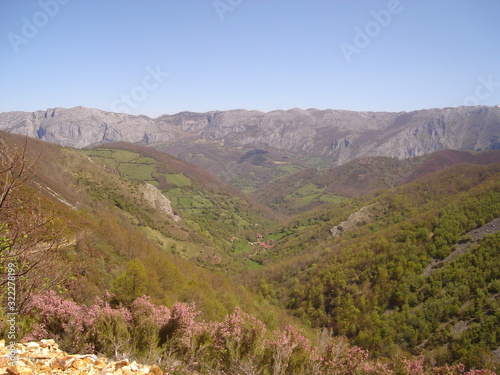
404,273
311,187
98,232
404,280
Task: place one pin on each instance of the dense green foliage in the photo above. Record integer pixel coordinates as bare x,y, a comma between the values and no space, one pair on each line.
182,343
370,284
411,270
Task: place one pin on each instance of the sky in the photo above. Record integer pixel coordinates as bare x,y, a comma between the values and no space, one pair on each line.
157,57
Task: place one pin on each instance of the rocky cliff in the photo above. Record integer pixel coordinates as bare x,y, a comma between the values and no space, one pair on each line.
340,135
157,200
80,127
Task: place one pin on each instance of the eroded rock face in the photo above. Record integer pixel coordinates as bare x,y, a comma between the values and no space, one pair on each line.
45,357
80,127
157,200
361,217
341,135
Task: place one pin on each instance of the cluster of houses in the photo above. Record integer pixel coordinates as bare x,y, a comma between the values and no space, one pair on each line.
260,244
263,245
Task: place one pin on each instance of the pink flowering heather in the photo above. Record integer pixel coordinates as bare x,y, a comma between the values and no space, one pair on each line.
75,327
413,366
142,309
147,322
239,344
240,328
182,325
375,368
292,353
60,319
449,370
353,360
238,340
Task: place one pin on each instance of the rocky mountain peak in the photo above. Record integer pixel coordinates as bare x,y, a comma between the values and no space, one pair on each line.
341,135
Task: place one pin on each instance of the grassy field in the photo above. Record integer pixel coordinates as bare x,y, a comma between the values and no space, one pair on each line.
216,213
252,265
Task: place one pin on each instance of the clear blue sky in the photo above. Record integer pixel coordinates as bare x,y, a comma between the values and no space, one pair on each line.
159,56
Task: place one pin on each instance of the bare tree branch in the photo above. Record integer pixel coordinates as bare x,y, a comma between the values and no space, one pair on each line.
29,236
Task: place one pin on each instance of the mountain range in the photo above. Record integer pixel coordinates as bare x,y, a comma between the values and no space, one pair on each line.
345,228
345,135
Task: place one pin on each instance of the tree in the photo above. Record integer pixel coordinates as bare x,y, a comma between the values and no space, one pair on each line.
131,283
29,236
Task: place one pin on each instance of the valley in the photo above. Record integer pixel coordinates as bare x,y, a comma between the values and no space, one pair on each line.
250,148
377,243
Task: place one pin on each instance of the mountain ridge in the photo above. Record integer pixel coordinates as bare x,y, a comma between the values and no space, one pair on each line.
248,148
311,187
342,135
367,283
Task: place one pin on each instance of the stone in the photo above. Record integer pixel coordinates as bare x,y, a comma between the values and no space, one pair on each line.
43,368
89,359
100,363
45,357
343,135
79,364
155,370
48,343
43,353
134,366
58,364
121,364
4,361
108,369
25,370
31,346
156,199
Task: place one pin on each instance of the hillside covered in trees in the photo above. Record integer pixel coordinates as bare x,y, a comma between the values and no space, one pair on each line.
415,269
400,279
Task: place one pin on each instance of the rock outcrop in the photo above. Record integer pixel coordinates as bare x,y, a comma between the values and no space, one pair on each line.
468,241
45,357
157,200
361,217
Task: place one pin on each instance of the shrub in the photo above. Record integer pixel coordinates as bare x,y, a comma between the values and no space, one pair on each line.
239,344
